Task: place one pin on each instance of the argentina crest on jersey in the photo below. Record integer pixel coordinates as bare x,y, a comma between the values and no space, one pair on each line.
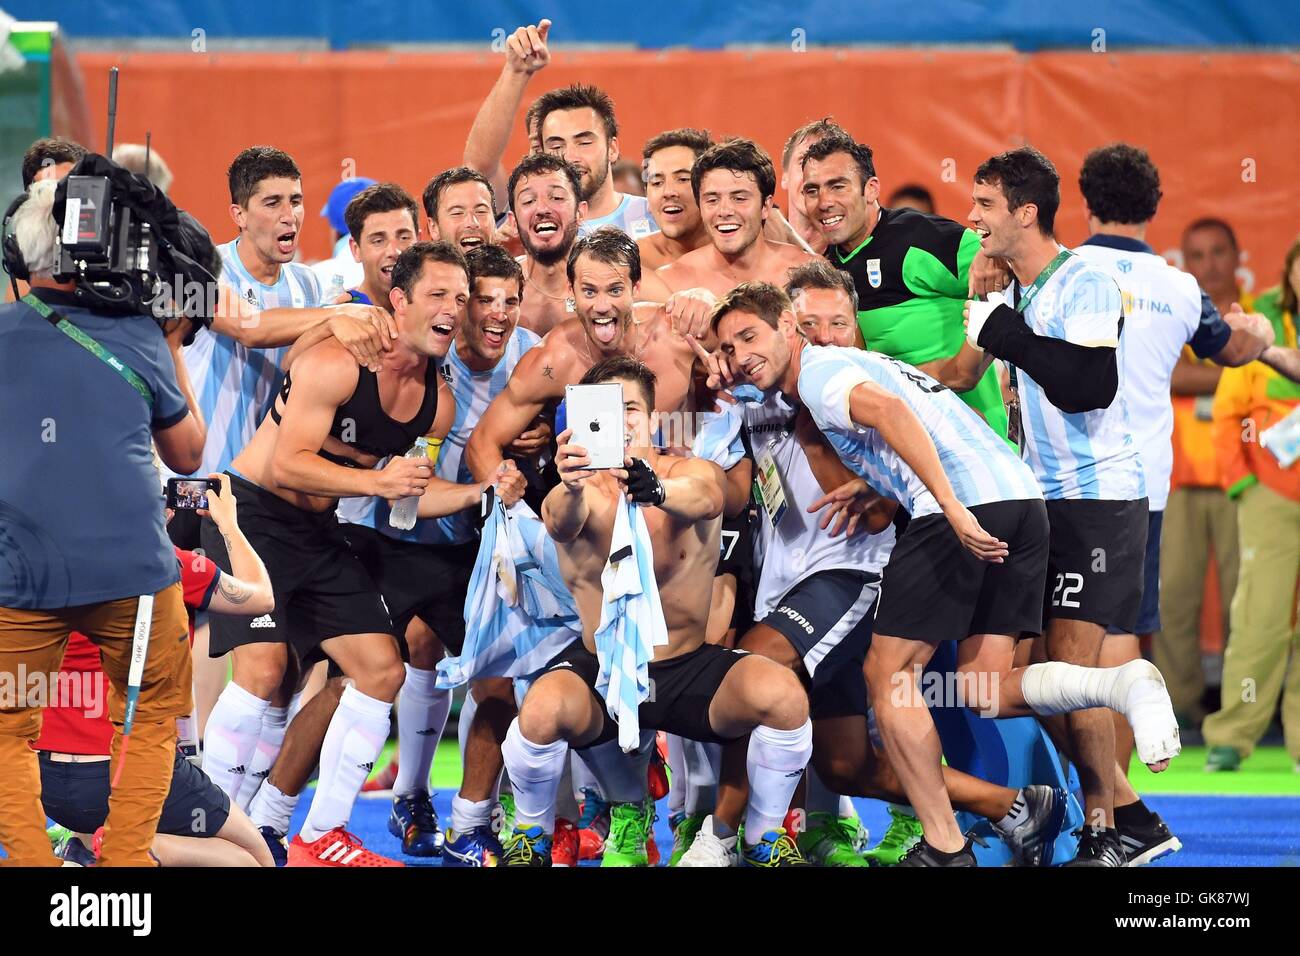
873,273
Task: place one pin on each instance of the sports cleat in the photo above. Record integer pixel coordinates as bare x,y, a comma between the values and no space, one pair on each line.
1033,843
657,771
708,849
475,847
529,846
337,848
922,854
593,825
684,836
626,843
503,814
829,840
414,822
564,843
1222,758
1098,846
382,780
1150,713
904,833
275,843
776,848
97,847
68,847
1149,842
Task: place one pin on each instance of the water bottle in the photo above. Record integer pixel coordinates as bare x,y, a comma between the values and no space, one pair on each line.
335,289
402,517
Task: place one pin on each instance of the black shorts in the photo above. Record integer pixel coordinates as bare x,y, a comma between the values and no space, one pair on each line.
681,690
936,590
1148,621
75,795
1096,563
827,617
418,580
321,590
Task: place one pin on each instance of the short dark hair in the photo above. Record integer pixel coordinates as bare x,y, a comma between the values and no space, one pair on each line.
411,262
452,177
1120,184
860,153
626,367
381,197
1025,176
696,140
539,164
611,245
255,164
911,191
1211,222
820,274
740,156
49,151
822,127
763,299
490,260
576,97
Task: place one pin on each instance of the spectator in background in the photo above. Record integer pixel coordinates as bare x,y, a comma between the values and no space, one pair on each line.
1261,662
341,270
132,156
912,196
628,179
1200,521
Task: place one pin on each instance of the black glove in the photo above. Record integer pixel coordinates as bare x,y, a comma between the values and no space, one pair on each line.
643,484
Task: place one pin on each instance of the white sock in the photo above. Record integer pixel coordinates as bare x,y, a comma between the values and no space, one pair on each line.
676,776
271,808
535,771
356,735
703,762
847,810
1018,814
1055,687
621,777
230,738
820,799
421,715
468,814
274,723
775,762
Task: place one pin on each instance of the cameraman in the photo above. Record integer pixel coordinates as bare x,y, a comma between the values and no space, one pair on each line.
77,428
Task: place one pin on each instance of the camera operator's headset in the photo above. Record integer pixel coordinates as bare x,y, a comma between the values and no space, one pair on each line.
16,266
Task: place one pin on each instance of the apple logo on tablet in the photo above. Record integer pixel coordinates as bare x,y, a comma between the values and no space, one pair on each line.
595,426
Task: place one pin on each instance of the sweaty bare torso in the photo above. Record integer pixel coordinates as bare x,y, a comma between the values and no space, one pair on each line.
706,268
543,308
685,556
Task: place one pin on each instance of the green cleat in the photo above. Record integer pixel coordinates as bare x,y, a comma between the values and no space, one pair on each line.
904,833
58,836
628,830
1222,758
503,814
776,848
684,836
831,840
527,847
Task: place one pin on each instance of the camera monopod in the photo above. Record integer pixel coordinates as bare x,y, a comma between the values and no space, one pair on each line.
135,676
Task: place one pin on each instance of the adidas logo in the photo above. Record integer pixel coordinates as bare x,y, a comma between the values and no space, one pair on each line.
427,733
367,767
263,621
262,774
340,853
239,769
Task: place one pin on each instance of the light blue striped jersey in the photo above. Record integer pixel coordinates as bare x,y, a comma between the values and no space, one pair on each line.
979,465
235,384
632,215
1086,454
473,392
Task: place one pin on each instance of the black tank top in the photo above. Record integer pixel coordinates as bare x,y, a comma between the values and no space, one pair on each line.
363,420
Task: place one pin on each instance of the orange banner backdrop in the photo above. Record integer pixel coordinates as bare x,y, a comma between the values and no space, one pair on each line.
1220,126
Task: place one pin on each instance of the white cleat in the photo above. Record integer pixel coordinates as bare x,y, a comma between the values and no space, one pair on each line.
709,850
1150,713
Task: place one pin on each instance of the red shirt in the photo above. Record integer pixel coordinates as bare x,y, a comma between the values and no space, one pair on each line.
76,720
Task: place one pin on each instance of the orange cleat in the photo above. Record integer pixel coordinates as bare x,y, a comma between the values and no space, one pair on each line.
383,780
338,847
564,843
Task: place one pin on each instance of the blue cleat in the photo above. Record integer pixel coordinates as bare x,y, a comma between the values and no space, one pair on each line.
527,846
774,849
414,822
476,847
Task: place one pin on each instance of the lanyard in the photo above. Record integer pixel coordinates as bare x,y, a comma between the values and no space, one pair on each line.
94,348
1015,430
1028,295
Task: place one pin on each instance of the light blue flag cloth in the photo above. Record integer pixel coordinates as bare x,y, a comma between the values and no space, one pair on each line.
519,613
631,623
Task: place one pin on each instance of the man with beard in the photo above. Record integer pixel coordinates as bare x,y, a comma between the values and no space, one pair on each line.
543,193
733,183
668,160
460,203
578,123
792,154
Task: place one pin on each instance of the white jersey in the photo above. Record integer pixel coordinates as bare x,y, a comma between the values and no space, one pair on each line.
980,466
473,392
235,385
632,215
1164,309
340,269
1091,455
796,548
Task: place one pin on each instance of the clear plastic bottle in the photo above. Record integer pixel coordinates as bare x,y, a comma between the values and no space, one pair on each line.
402,517
336,289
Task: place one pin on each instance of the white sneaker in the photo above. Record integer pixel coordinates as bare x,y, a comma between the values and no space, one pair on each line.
709,850
1150,713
